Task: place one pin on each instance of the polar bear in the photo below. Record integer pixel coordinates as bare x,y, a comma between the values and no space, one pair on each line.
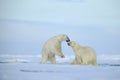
53,47
84,55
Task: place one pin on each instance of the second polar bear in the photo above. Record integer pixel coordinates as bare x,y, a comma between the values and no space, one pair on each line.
84,55
53,47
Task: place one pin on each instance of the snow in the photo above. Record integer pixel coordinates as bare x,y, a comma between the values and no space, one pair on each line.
27,67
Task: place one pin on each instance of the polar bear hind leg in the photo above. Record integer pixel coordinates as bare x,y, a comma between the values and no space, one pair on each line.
52,60
94,63
44,59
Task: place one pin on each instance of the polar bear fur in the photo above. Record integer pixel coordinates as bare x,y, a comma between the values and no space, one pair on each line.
53,47
84,55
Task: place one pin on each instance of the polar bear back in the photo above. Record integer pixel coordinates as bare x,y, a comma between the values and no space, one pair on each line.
50,45
87,53
86,50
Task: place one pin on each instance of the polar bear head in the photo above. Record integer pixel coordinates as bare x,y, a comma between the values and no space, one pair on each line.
74,45
63,37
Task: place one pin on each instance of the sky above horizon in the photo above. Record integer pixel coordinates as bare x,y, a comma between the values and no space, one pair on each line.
26,24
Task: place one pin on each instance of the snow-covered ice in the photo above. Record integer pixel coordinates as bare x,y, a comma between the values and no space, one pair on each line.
27,67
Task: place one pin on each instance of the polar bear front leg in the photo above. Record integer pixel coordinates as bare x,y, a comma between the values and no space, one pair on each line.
79,59
85,62
74,61
60,54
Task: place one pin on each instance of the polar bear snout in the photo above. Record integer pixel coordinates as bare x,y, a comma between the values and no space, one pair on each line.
68,39
71,43
68,43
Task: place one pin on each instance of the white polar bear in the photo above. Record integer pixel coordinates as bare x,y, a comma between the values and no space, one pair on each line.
84,55
53,47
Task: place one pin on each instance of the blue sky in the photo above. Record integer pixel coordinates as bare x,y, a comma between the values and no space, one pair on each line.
26,24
